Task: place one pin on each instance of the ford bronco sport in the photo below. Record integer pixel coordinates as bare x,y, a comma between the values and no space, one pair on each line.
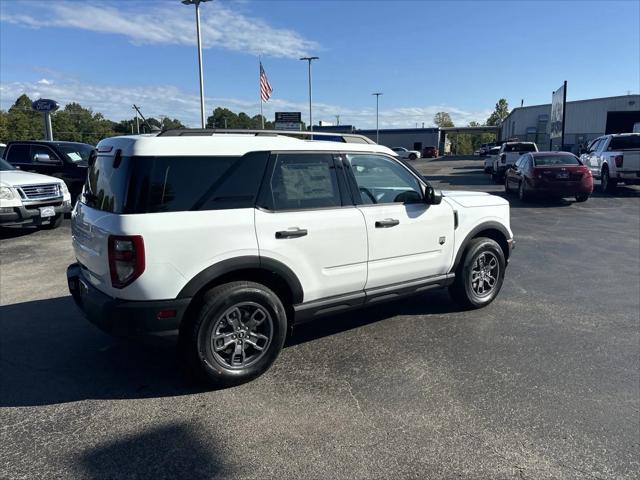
233,238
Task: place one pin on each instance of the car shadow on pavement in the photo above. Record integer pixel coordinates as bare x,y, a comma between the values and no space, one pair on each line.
7,233
50,354
176,450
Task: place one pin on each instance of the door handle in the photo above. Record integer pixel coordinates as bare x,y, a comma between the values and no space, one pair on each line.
294,233
387,223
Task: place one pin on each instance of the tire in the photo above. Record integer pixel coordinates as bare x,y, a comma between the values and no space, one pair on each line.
506,185
522,193
582,197
53,223
607,185
412,156
463,290
233,364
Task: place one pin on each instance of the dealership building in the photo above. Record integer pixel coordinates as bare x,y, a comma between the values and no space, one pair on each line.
584,121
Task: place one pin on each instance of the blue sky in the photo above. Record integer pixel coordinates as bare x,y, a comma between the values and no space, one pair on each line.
425,56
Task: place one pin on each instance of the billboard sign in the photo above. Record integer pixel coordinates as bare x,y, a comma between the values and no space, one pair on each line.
288,126
45,105
288,117
558,101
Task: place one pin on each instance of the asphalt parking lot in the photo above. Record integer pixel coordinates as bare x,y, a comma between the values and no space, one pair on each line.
543,383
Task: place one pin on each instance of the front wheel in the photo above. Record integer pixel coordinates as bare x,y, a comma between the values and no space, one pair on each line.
606,183
237,335
412,156
506,185
480,274
522,192
582,197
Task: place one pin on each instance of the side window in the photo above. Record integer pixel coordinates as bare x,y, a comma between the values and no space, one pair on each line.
382,180
18,154
595,146
42,149
301,181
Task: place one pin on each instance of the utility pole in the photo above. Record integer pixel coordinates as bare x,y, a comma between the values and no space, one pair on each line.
310,59
337,119
377,94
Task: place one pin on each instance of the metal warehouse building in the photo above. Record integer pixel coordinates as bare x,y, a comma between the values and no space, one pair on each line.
584,121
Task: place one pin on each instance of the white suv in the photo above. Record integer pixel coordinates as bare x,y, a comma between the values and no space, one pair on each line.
234,238
31,199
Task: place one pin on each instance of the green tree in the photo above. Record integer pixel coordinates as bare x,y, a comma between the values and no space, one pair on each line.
499,114
443,119
21,122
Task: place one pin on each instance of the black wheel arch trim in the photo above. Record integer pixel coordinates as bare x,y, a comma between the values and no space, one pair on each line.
474,232
231,265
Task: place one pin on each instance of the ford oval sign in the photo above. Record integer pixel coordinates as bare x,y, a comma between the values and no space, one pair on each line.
45,105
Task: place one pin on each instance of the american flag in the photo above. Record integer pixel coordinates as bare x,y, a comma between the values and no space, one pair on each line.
265,86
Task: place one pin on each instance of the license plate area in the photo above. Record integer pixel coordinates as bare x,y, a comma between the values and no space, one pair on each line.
46,212
562,175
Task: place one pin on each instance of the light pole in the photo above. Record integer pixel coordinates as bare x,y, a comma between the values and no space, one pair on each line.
310,59
377,94
197,4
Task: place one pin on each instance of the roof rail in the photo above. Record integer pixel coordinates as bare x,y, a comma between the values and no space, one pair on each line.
205,132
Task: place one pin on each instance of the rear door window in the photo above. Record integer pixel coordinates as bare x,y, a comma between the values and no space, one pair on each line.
18,154
301,181
630,142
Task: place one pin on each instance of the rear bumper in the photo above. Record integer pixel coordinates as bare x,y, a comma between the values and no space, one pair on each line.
124,318
584,186
31,216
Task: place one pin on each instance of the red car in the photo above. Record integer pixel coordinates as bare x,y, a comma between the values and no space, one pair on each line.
549,174
430,152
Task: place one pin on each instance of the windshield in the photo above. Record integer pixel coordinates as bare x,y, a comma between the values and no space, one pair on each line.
628,142
520,147
4,165
550,160
76,153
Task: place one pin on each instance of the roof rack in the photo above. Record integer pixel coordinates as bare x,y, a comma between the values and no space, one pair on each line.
331,136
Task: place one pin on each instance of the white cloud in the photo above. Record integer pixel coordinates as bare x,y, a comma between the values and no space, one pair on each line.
165,23
115,102
44,81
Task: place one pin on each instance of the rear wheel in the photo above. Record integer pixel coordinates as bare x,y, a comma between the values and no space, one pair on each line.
582,197
606,183
480,274
237,334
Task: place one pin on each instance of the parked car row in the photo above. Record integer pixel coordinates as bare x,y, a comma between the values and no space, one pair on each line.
521,167
40,181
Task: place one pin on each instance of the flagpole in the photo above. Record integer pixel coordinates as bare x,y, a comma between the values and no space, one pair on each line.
260,88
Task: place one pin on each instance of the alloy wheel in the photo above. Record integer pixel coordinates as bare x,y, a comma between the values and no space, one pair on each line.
484,274
242,335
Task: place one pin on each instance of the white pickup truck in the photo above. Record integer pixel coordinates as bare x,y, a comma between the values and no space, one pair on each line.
509,154
614,159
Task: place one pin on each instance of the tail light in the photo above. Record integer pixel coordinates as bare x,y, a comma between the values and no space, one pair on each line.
503,158
619,159
126,259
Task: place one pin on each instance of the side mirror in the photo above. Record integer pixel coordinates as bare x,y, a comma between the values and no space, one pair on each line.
432,196
44,158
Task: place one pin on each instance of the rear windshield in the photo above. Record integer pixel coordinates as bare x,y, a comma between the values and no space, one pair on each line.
629,142
549,160
520,147
171,184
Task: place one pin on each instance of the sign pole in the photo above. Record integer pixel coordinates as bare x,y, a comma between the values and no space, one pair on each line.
564,114
48,131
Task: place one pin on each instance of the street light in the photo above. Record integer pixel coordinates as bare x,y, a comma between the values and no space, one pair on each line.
197,4
310,59
377,94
